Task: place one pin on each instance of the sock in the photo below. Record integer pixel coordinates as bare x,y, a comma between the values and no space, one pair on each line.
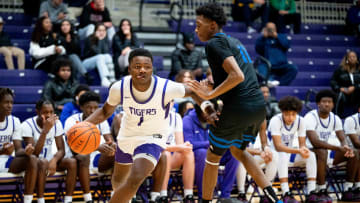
87,197
112,193
321,187
206,201
270,193
163,193
357,184
154,195
347,185
284,187
68,199
41,200
311,185
188,192
28,198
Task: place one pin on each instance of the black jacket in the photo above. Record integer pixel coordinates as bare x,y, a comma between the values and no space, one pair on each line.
91,16
59,92
5,40
118,45
72,47
184,59
341,78
91,49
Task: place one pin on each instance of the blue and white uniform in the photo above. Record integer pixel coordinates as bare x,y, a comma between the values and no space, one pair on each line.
9,130
352,126
31,129
144,127
103,128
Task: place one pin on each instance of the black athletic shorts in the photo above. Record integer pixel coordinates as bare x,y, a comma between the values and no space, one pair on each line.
236,127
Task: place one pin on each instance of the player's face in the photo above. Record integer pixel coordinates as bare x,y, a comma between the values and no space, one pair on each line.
289,117
6,105
205,28
46,110
140,69
64,73
326,105
88,108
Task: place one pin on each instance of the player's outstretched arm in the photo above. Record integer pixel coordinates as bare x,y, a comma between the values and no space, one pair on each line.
235,76
101,114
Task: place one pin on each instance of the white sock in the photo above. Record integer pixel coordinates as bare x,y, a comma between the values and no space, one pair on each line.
311,185
188,192
41,200
357,184
321,187
28,198
347,186
163,193
87,197
112,193
154,195
68,199
241,178
284,187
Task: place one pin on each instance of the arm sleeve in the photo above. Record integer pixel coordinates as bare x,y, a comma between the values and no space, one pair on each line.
302,128
65,113
310,122
40,52
59,129
43,8
292,7
17,131
334,80
175,62
219,48
47,91
338,124
26,130
283,42
350,126
106,16
69,123
174,90
275,126
114,94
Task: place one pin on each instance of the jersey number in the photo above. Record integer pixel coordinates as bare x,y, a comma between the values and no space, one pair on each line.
141,120
44,151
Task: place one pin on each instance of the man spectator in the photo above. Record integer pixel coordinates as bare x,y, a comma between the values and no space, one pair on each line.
249,10
273,46
272,107
75,8
56,10
93,13
188,58
8,50
283,12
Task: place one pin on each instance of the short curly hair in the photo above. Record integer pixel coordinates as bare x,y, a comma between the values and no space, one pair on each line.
290,103
213,11
5,91
325,93
88,97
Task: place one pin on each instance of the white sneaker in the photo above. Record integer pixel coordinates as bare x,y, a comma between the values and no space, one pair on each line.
105,82
273,83
250,30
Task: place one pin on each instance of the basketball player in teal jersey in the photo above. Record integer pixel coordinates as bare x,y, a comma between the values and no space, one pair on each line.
235,83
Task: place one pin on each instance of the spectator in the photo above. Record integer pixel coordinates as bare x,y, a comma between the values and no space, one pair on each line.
346,82
271,104
43,47
187,58
71,43
73,107
184,107
353,19
93,13
97,54
182,77
248,11
196,131
60,89
273,46
75,8
56,10
124,41
8,50
283,12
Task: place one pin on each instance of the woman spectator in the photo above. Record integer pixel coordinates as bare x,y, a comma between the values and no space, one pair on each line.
124,41
43,47
346,82
97,54
60,89
71,43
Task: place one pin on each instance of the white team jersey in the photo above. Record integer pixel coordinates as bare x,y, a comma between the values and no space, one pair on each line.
72,120
31,129
9,130
175,125
277,127
324,128
352,126
144,118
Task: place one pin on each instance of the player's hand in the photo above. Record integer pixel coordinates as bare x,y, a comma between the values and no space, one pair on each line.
283,12
349,152
8,148
61,15
48,123
106,149
304,152
187,147
212,118
52,168
29,149
199,89
207,83
261,2
266,155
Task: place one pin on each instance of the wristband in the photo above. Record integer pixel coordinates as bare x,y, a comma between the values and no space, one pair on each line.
206,104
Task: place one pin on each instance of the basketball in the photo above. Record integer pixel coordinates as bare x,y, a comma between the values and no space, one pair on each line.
83,138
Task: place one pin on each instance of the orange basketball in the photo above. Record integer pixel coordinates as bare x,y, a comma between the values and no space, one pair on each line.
83,138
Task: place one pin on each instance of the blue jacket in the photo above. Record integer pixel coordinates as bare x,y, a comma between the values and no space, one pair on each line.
69,109
273,49
194,132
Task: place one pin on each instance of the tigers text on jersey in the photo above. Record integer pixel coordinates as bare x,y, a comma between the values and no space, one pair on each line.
352,126
9,130
31,129
323,127
277,127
